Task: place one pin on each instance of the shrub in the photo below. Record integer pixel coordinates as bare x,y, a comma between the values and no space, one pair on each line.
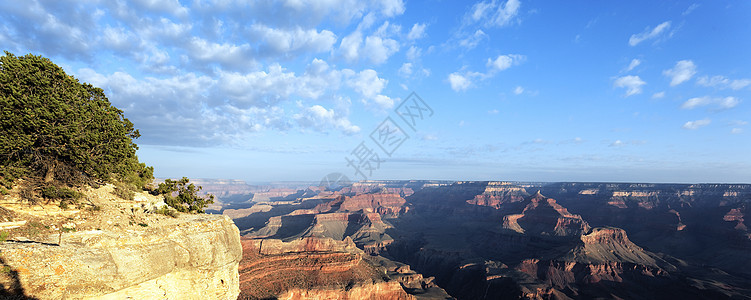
183,195
65,195
124,191
167,211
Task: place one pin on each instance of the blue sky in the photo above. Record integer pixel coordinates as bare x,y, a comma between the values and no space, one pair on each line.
640,91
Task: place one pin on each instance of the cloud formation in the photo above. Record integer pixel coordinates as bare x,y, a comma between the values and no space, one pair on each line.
503,62
681,72
463,79
472,40
653,33
632,84
633,64
723,82
693,125
417,31
321,119
717,102
494,13
200,73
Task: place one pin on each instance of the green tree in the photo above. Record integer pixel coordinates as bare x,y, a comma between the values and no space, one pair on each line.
55,130
183,195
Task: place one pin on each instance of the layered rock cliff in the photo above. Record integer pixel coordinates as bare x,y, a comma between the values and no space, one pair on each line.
104,254
544,216
312,268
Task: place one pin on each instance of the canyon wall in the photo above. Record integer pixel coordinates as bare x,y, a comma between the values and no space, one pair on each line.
312,268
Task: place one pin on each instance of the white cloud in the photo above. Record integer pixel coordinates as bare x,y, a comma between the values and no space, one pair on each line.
648,33
682,72
458,82
119,39
260,88
728,102
321,119
617,143
369,85
495,13
377,47
277,41
417,31
632,84
518,90
166,31
493,111
720,103
413,53
462,81
736,130
349,47
378,50
391,8
503,62
658,95
406,69
690,9
695,102
634,63
203,72
318,78
208,110
227,55
472,40
692,125
723,82
168,6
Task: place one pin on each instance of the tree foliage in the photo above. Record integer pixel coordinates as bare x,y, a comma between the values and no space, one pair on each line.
183,195
60,131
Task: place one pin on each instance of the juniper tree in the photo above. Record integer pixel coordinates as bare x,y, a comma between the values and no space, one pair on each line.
57,130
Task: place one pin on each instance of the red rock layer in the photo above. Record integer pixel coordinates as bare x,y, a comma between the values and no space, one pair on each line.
736,215
558,274
311,268
373,290
544,216
383,203
497,194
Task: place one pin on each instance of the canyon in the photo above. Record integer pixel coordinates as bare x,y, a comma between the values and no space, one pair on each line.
391,240
490,240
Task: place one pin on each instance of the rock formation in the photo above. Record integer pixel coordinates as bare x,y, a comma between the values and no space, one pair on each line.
312,268
491,240
544,216
155,257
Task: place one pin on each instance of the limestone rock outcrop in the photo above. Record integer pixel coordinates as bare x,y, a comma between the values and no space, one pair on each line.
191,257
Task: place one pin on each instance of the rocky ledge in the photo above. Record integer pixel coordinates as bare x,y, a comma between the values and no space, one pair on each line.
156,257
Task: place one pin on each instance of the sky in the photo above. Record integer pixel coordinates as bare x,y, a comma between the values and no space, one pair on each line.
294,90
